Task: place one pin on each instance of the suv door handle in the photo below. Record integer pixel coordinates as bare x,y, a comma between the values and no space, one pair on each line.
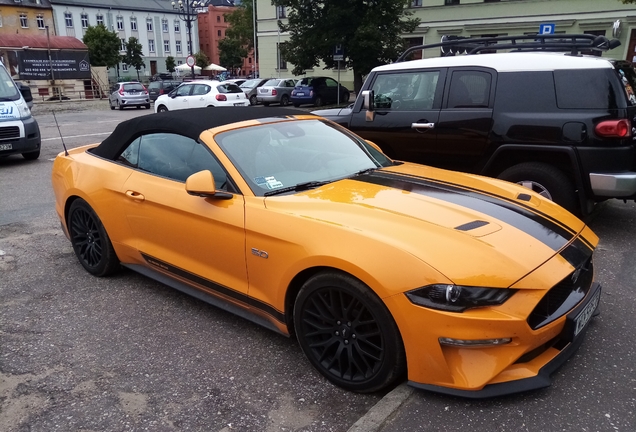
422,125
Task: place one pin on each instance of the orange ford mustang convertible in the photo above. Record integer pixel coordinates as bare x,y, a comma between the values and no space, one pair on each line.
467,285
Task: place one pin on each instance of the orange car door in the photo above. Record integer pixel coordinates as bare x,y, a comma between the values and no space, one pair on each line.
195,238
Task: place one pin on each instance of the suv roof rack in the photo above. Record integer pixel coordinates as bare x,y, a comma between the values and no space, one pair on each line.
573,43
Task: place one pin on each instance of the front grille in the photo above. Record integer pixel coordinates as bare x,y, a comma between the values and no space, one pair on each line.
9,132
563,296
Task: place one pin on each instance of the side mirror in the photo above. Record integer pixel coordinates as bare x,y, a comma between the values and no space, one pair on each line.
368,98
202,184
26,92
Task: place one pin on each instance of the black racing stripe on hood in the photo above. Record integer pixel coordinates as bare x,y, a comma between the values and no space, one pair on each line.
577,253
542,229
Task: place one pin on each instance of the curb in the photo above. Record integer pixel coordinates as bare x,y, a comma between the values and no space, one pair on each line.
376,417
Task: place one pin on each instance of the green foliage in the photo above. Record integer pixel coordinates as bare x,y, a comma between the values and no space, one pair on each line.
241,25
369,31
201,59
103,46
170,64
231,53
134,54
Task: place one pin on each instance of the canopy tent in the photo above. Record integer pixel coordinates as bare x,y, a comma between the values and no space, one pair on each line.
214,67
185,68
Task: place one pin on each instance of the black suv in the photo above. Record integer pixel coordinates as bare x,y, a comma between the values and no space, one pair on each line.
560,124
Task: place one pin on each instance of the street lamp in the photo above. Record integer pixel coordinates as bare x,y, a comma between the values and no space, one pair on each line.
187,11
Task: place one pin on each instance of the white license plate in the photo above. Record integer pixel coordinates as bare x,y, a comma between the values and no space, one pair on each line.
6,146
300,94
585,315
239,104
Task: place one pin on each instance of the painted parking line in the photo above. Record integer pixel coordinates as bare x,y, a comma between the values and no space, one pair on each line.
77,136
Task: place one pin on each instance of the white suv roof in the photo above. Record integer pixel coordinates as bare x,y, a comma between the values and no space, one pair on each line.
506,62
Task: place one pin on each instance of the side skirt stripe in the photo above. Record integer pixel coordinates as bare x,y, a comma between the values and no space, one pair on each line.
243,298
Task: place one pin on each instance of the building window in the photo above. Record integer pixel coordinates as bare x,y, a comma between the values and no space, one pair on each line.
84,18
99,18
177,45
123,44
133,23
177,26
416,3
164,25
218,33
151,45
24,22
68,19
149,24
281,12
218,18
124,67
282,64
40,20
166,45
120,22
189,47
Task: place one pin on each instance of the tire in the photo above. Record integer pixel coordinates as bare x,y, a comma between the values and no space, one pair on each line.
296,105
266,104
253,100
284,100
147,106
357,347
547,180
111,105
90,241
162,108
318,101
345,97
120,106
138,106
31,155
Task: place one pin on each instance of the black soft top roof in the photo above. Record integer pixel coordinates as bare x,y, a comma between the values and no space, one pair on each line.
188,122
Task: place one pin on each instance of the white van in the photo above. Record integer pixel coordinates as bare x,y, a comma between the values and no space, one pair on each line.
19,132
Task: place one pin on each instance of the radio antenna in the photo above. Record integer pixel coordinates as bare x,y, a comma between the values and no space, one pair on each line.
60,132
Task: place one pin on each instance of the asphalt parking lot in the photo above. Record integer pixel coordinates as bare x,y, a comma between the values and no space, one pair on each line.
125,353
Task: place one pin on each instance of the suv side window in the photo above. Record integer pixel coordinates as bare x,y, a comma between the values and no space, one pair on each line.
469,89
406,91
172,156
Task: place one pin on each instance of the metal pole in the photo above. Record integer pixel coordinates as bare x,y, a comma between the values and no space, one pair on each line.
338,82
254,25
189,23
278,52
48,48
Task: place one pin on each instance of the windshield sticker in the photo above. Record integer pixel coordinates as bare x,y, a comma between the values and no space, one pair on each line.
269,182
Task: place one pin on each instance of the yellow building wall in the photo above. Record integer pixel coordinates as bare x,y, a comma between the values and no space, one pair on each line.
10,20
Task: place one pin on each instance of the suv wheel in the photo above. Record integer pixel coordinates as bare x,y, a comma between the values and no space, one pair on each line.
546,180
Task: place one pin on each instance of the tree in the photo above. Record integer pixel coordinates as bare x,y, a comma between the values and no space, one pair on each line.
201,59
134,54
231,53
241,26
103,46
368,30
170,64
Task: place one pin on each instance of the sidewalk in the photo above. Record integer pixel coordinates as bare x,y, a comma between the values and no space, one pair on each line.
46,107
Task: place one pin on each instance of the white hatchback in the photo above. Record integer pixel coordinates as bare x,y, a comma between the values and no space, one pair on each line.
202,93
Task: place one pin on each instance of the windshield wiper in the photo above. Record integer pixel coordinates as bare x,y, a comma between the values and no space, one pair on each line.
299,187
364,171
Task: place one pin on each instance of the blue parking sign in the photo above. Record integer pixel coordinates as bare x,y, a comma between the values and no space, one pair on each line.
546,29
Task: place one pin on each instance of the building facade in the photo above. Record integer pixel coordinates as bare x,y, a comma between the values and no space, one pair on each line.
26,17
475,18
159,28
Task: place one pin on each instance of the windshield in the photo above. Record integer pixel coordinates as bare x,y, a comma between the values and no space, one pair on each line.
250,83
286,154
8,90
272,83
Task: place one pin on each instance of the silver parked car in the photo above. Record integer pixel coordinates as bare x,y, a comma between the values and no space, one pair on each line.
125,94
276,90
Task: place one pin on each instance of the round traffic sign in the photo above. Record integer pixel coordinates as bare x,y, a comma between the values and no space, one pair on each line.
190,61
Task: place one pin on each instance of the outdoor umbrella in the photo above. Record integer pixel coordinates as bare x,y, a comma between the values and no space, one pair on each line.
214,67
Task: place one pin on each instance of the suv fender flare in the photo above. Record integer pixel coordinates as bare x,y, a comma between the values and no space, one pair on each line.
493,166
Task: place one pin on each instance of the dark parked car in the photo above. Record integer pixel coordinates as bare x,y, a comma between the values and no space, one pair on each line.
318,91
556,123
157,88
250,87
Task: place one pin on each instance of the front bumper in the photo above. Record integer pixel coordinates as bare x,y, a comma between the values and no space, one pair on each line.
29,139
556,353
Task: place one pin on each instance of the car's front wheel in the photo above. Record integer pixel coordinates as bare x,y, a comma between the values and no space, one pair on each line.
347,333
284,100
162,108
318,101
31,155
253,100
90,241
546,180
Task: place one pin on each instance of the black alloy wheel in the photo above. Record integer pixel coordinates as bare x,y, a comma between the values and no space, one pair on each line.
347,333
284,100
91,244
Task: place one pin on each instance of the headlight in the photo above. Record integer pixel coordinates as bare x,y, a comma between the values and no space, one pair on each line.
455,298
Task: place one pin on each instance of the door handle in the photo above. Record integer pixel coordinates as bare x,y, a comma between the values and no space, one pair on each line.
135,195
422,125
